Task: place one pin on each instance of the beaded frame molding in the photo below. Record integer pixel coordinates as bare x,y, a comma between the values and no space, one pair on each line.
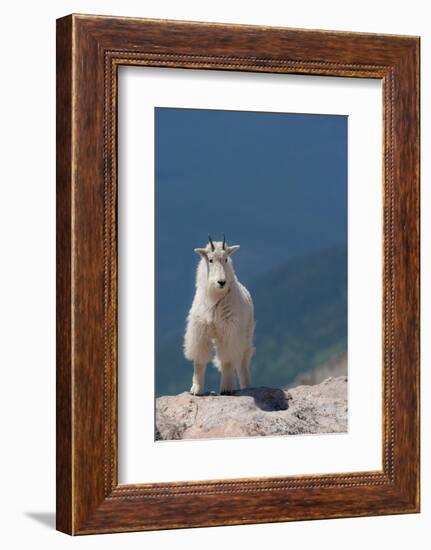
89,51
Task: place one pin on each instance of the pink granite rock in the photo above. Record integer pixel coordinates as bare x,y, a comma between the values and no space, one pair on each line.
321,408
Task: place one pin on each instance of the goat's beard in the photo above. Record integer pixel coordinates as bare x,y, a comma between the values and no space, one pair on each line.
217,291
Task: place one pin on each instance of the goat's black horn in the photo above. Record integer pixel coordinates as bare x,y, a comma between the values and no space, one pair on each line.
224,241
211,243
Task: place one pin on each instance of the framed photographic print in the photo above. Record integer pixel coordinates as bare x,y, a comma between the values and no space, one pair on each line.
237,274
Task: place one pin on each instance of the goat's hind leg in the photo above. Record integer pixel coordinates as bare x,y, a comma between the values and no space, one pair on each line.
227,383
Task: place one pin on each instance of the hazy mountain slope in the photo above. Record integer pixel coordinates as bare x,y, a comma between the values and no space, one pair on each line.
301,316
335,367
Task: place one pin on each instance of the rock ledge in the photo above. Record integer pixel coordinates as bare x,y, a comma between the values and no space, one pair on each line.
255,412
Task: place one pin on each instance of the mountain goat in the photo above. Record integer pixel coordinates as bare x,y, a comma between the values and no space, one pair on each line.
220,322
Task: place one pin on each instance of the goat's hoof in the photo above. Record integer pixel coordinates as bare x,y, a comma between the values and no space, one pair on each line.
196,390
226,392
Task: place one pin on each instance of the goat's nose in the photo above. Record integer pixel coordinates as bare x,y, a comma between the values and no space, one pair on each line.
221,283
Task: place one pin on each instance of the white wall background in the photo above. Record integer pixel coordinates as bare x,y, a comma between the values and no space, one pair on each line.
27,279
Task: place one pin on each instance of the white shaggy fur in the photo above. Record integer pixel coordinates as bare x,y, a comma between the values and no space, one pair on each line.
220,323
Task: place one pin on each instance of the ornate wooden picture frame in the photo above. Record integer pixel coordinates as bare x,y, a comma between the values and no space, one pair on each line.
89,51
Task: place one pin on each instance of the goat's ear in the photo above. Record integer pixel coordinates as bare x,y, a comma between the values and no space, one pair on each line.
232,249
201,251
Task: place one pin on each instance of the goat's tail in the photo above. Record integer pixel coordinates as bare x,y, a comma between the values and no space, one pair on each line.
245,358
216,362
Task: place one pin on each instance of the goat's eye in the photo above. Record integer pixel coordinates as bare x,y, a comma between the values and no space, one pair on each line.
225,260
210,261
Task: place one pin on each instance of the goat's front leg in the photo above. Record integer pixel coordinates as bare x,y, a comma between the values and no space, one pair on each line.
227,383
198,381
244,370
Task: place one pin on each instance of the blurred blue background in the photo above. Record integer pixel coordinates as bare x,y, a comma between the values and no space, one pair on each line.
275,183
